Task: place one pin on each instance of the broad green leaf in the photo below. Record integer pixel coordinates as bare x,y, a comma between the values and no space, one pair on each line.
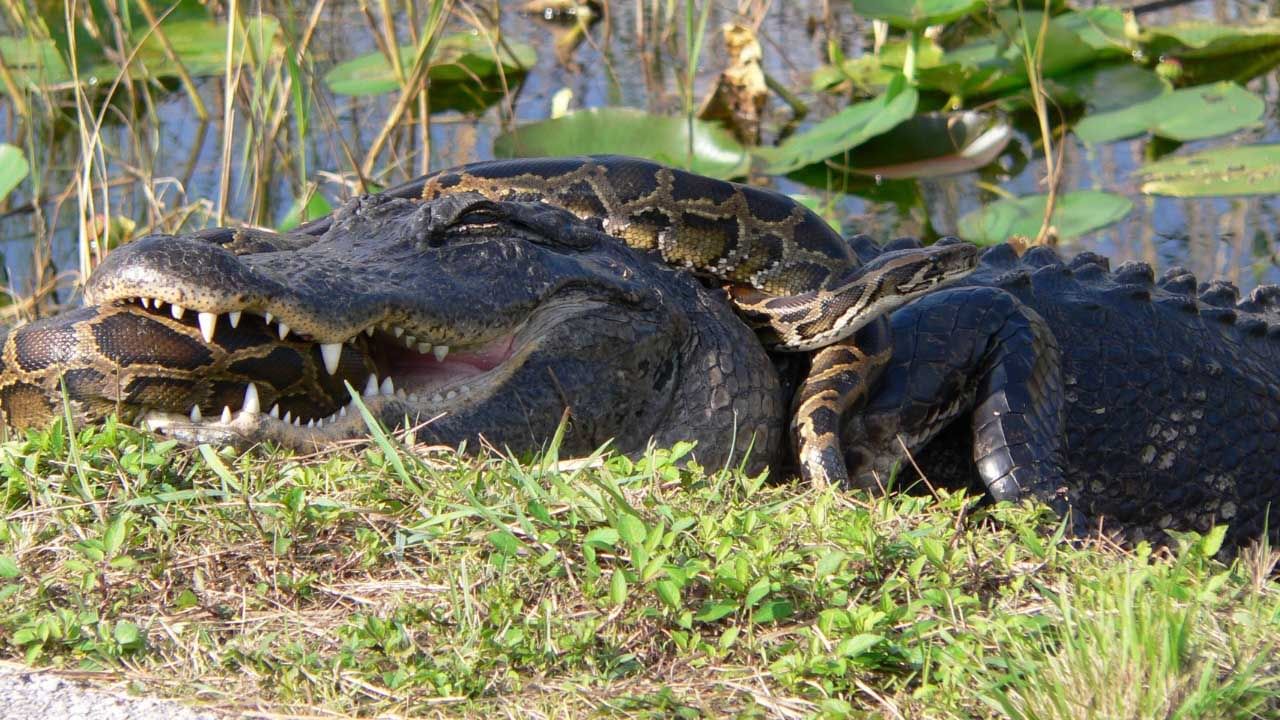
773,611
9,567
993,64
714,610
1247,170
1187,114
33,63
843,131
1102,88
201,46
316,207
1074,214
917,14
13,168
858,644
1200,39
930,145
631,132
463,57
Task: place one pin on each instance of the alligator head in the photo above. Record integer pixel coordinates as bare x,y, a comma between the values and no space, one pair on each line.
461,318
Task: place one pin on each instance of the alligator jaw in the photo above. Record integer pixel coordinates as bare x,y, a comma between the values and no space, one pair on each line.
411,379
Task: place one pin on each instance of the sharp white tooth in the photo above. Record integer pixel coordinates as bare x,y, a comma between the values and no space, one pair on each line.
311,423
267,317
284,332
397,330
275,411
177,311
451,395
342,411
424,348
401,394
226,414
410,341
250,404
437,398
331,352
297,422
208,321
234,318
370,386
440,352
369,331
195,413
288,416
388,387
159,304
146,302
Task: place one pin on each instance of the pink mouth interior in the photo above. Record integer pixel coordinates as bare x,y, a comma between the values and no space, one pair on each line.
415,371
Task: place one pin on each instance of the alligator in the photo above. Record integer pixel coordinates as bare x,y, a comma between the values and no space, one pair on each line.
1148,405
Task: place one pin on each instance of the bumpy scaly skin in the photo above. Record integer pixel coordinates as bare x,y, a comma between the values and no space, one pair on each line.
1152,404
633,351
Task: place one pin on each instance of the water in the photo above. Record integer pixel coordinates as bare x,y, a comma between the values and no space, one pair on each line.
166,148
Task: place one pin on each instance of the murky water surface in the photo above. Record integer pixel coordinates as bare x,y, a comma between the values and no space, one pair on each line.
1231,238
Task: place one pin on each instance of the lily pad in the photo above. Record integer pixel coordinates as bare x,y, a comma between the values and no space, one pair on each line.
993,64
931,145
13,168
1188,114
460,58
630,131
1102,88
199,44
1074,214
846,129
917,14
1203,39
1248,170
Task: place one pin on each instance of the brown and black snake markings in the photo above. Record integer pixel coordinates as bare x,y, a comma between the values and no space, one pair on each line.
1152,404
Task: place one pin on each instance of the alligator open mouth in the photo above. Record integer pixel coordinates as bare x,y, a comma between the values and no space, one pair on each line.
391,366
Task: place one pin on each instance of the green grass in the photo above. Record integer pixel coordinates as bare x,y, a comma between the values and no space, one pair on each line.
483,585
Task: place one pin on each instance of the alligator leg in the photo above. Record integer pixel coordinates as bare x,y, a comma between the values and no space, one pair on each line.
840,377
975,351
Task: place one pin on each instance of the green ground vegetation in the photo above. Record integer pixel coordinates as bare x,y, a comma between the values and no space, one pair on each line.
393,579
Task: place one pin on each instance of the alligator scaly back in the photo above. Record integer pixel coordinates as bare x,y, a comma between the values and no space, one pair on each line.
1152,403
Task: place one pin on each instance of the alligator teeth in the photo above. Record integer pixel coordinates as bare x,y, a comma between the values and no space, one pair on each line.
226,414
397,330
177,311
342,411
208,321
275,411
284,332
268,317
437,398
311,423
451,395
250,404
288,416
297,422
440,352
370,386
234,318
388,387
369,331
146,302
195,413
424,348
413,397
410,341
331,352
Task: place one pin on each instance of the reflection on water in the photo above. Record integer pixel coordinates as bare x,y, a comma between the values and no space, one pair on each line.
175,161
